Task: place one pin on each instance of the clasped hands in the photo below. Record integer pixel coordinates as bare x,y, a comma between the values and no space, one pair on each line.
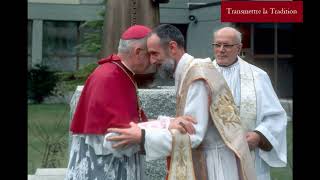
132,135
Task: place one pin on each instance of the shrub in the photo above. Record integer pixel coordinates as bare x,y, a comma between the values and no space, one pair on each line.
68,81
41,82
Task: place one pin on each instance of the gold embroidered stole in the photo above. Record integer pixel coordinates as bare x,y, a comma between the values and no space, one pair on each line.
181,167
224,114
248,104
248,101
248,98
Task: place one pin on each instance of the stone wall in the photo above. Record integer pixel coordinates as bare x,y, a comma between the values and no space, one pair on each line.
155,102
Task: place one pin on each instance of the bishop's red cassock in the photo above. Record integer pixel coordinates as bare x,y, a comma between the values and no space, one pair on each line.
109,97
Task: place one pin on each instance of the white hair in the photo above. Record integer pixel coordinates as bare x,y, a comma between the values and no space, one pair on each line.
237,33
125,46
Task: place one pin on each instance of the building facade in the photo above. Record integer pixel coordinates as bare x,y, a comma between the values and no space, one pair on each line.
54,29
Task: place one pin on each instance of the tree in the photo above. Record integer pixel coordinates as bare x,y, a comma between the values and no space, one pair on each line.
92,38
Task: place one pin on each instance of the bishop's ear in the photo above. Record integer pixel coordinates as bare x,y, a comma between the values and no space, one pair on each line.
136,51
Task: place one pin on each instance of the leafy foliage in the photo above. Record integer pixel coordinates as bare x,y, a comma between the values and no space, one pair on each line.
68,81
92,38
41,82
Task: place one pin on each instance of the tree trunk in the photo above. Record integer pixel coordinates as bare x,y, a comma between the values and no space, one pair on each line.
120,15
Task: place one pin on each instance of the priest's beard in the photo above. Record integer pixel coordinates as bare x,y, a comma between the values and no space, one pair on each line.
166,70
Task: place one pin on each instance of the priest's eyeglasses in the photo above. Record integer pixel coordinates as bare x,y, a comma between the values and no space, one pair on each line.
226,46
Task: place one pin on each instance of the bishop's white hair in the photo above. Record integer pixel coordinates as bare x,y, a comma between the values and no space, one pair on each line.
125,46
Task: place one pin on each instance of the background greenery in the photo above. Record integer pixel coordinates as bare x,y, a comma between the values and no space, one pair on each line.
41,82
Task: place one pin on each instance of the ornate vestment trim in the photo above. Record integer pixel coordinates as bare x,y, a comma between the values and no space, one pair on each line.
223,111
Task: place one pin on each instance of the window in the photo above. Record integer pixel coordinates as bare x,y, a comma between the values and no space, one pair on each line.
285,37
59,41
59,38
245,31
263,38
270,47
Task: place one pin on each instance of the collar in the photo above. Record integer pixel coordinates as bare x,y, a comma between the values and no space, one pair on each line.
116,59
112,57
124,64
180,67
230,65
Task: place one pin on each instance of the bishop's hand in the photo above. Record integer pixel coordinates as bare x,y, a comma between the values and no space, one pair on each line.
126,137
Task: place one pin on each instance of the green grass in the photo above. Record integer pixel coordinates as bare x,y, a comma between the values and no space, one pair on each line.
47,116
47,123
285,173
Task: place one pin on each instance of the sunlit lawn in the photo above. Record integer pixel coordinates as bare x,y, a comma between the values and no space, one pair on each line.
48,117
